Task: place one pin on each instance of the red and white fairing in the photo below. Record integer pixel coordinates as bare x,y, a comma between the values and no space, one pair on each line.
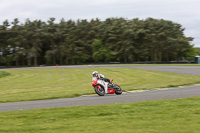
96,83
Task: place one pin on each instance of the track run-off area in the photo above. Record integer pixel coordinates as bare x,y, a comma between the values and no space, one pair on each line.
168,93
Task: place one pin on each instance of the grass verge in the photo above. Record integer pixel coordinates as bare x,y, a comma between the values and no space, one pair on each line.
166,116
37,84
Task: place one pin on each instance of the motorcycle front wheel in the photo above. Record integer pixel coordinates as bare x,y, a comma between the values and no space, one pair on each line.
118,90
100,91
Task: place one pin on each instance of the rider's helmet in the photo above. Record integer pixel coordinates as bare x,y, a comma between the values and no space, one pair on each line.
95,74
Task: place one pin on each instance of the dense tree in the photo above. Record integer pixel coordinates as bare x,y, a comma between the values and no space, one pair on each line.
197,51
82,41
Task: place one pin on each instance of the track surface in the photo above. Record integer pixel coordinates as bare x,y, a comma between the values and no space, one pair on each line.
173,93
189,70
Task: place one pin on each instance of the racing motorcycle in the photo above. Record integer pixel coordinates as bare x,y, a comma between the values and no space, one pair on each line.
102,88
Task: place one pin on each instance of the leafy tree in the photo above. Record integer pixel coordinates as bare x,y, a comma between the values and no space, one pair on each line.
100,52
197,51
82,41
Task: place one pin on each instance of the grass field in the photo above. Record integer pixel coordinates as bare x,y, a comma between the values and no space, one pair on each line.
35,84
162,116
3,74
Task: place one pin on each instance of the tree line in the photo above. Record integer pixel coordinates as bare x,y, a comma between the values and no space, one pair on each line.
92,41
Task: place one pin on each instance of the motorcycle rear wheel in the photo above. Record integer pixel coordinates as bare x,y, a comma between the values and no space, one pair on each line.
100,92
118,90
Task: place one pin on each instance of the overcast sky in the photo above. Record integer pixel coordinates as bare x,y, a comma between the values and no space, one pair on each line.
184,12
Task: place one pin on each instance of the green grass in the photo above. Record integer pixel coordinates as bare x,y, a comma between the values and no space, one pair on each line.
162,116
35,84
3,74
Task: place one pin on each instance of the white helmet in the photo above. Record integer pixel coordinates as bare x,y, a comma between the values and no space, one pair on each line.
95,74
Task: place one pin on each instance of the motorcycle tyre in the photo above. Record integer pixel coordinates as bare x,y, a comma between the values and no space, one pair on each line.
118,91
98,91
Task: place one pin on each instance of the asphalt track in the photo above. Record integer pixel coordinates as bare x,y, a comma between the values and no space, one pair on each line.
188,70
172,93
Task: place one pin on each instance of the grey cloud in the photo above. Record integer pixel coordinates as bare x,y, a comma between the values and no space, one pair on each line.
185,12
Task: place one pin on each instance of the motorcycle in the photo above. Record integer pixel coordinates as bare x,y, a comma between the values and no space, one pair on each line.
102,88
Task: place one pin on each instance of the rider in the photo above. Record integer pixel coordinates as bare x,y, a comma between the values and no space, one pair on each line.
102,77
